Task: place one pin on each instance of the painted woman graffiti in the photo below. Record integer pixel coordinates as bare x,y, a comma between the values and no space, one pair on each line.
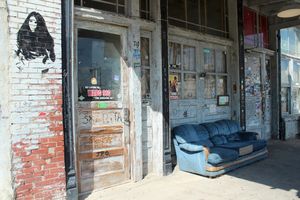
34,39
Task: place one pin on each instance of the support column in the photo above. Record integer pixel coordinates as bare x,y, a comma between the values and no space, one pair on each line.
241,64
275,86
157,94
135,95
165,88
68,111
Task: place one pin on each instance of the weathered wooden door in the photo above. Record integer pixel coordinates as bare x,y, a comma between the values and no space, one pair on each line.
101,95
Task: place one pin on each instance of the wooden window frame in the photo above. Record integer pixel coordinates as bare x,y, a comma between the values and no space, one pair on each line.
216,74
182,71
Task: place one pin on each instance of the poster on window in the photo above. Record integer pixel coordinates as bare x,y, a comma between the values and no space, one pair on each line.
174,81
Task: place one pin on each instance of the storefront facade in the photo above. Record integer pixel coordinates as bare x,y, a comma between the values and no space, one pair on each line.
95,87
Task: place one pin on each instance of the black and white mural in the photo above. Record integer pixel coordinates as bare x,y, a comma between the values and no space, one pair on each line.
34,40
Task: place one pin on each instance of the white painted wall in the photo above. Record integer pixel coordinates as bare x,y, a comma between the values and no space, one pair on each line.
5,151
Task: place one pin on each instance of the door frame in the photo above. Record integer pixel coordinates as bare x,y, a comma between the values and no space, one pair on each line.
110,29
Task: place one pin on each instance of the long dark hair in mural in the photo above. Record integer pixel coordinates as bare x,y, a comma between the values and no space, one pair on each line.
34,39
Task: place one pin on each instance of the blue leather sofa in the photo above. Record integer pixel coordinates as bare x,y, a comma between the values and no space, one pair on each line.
212,149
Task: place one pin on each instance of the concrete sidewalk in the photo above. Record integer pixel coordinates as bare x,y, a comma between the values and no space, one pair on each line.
277,177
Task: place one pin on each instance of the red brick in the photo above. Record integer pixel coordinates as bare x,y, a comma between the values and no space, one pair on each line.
58,159
34,179
30,158
47,145
24,187
40,151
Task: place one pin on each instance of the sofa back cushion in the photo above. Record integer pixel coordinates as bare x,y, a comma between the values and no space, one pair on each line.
192,133
211,128
222,127
233,126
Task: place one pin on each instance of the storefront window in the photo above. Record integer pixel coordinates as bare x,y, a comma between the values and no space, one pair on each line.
296,72
99,76
290,85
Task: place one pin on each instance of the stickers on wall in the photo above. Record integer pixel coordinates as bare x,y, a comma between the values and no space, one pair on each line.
34,41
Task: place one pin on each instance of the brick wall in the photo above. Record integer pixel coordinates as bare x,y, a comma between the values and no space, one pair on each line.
36,104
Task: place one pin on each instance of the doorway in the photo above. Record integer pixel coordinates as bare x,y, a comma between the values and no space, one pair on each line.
101,106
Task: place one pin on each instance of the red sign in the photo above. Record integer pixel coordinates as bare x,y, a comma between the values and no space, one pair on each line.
98,93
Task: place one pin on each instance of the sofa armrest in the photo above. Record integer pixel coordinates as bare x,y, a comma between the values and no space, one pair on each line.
248,135
191,147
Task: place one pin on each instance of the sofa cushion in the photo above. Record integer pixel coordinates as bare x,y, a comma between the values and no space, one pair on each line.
221,155
242,147
218,140
233,137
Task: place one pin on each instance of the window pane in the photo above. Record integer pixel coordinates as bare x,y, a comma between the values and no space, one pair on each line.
209,60
176,9
174,55
100,5
145,9
107,5
215,17
98,66
220,61
284,100
193,11
296,72
284,71
175,84
189,90
145,50
189,59
221,85
145,80
210,87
